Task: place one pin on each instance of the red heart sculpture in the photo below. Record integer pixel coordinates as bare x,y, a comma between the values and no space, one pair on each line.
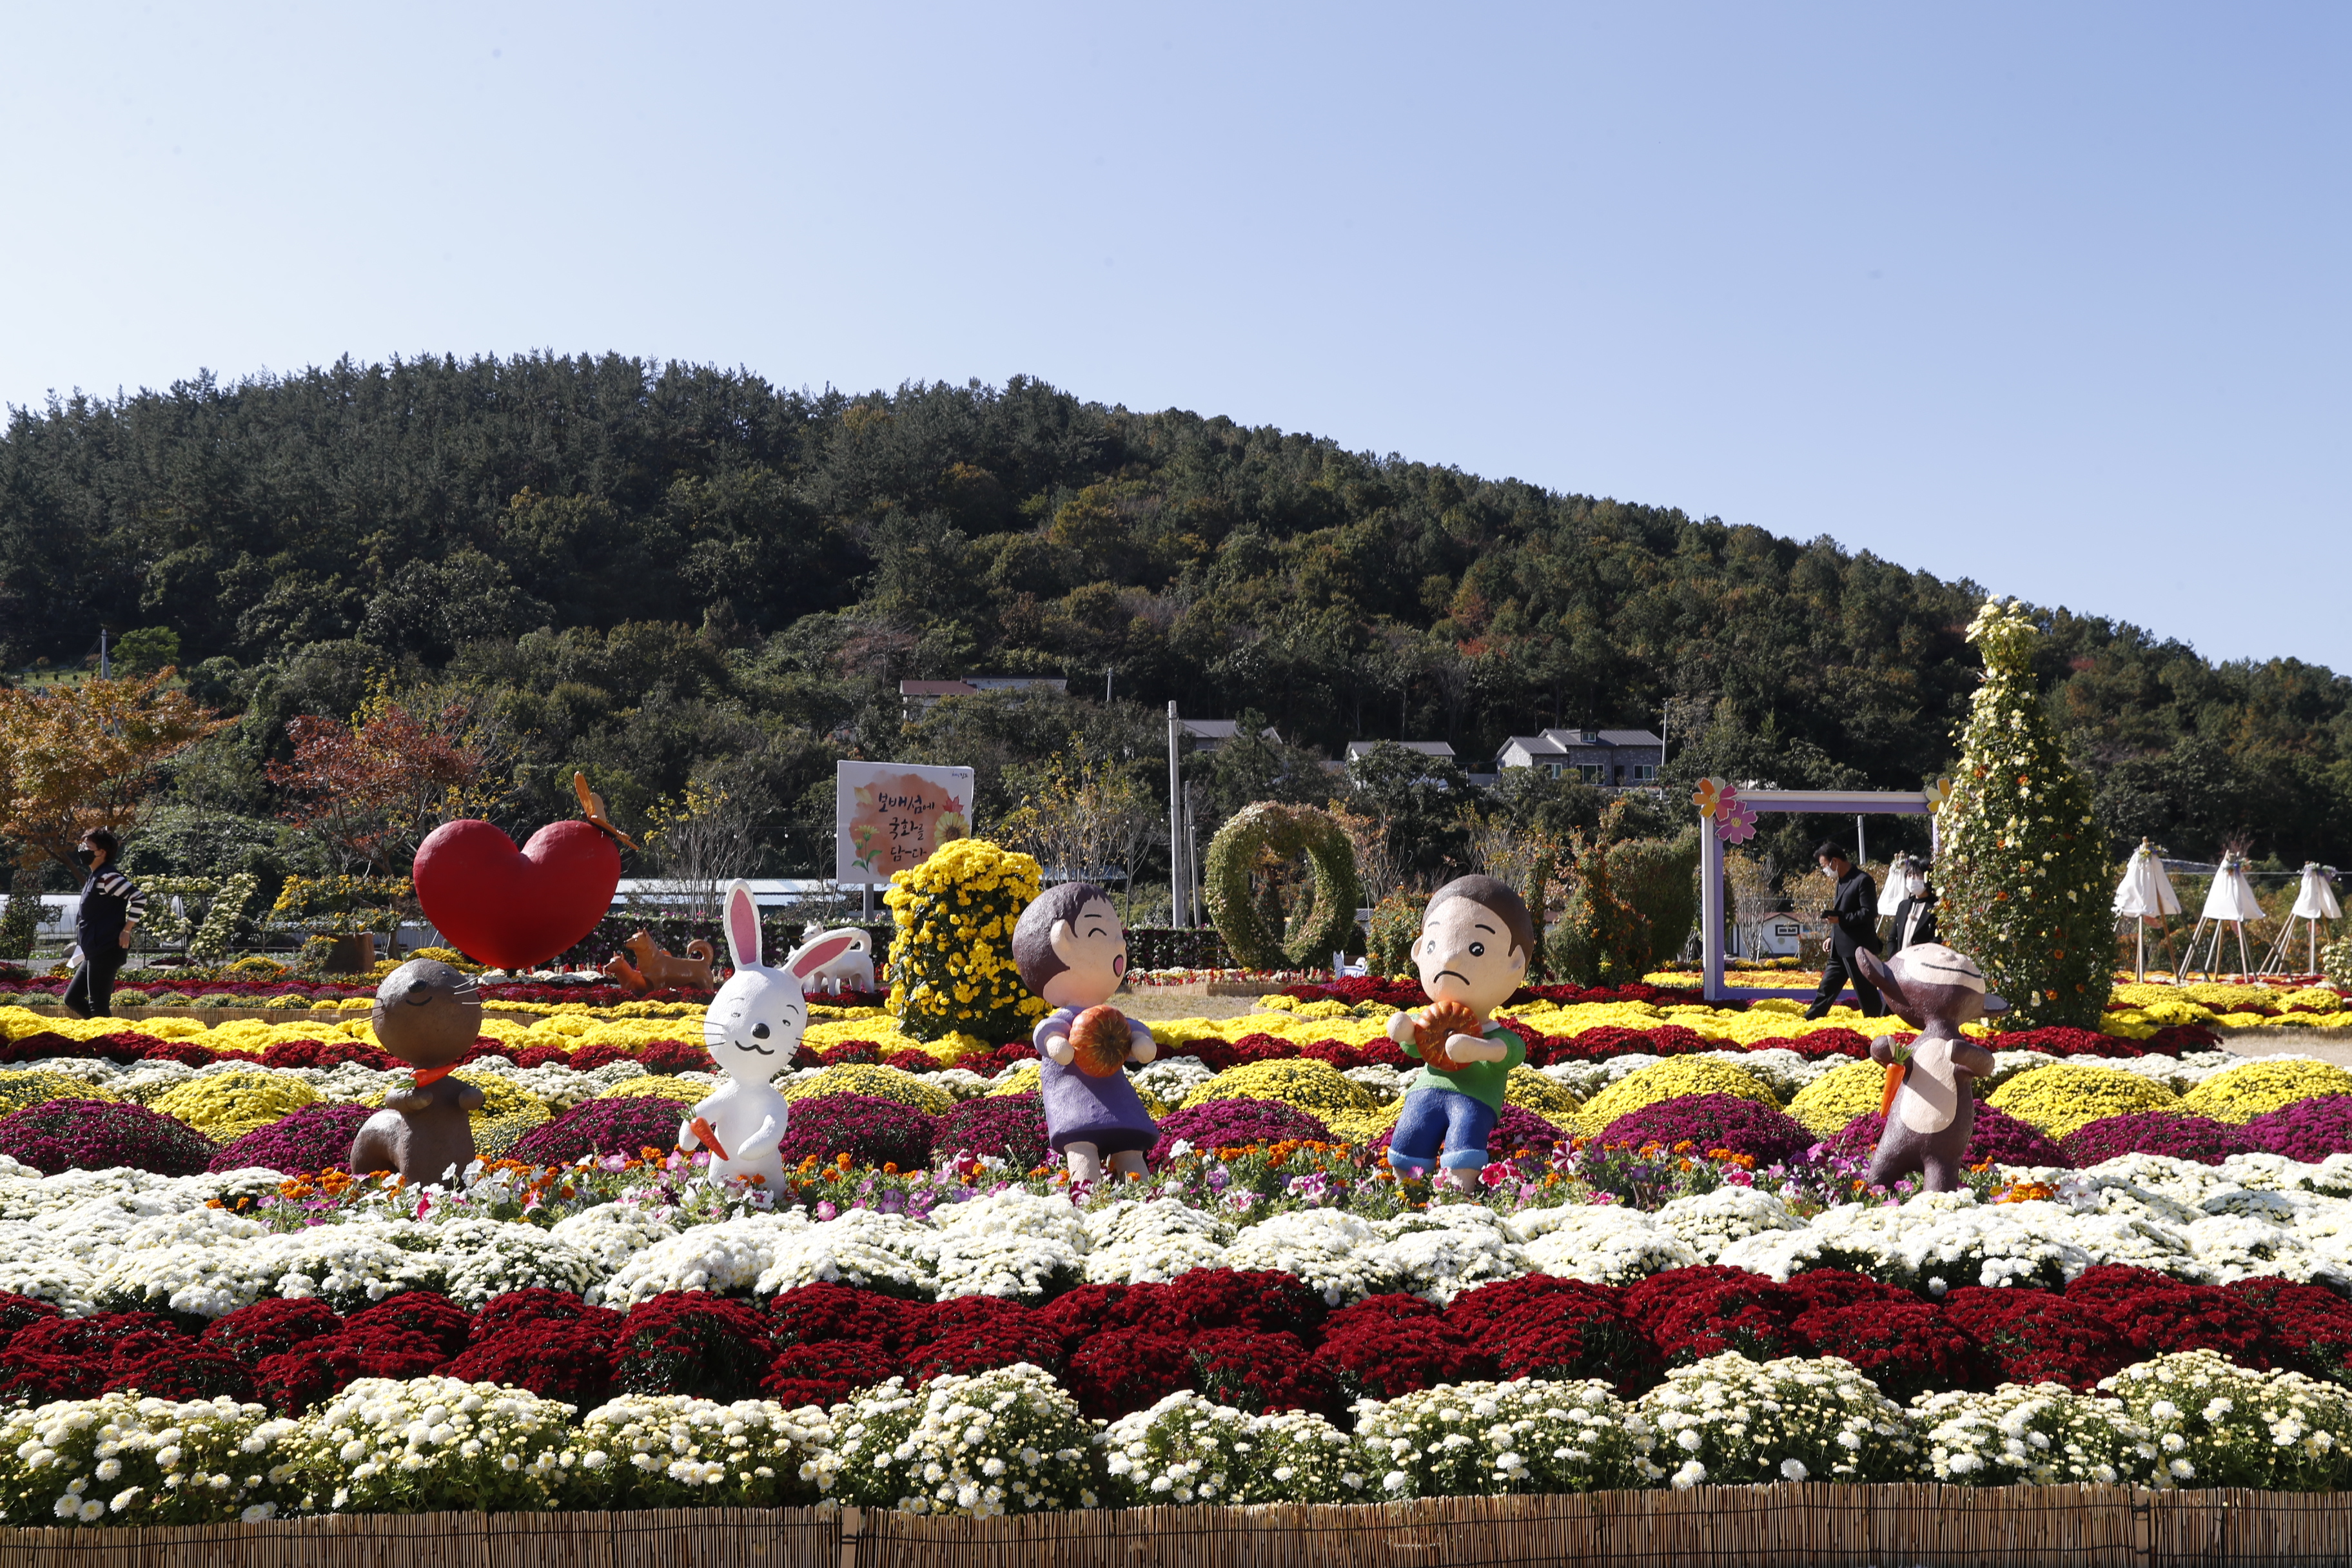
516,908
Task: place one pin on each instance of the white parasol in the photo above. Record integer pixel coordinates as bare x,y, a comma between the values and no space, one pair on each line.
2230,903
2146,894
2145,889
2231,897
2314,901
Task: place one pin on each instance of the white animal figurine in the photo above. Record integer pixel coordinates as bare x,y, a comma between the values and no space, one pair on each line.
752,1027
853,970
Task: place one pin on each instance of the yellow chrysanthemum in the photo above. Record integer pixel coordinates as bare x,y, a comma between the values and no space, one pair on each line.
1672,1080
2068,1095
1838,1096
659,1085
1530,1090
19,1089
225,1105
886,1083
2240,1093
1316,1088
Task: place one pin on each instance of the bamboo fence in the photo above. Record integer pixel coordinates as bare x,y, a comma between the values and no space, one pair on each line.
1800,1526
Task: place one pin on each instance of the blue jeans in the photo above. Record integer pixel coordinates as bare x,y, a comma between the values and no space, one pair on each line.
1461,1121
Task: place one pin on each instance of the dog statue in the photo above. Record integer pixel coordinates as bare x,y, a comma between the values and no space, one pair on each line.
656,967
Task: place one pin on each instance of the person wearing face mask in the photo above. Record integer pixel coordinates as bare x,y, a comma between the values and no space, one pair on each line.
1914,916
1854,916
111,908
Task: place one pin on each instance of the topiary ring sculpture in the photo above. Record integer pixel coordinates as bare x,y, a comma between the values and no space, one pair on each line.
427,1014
1283,832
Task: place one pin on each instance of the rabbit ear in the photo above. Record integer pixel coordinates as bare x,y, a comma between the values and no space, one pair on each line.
822,952
742,925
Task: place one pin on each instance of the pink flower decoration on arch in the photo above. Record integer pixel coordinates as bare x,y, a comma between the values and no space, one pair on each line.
1734,822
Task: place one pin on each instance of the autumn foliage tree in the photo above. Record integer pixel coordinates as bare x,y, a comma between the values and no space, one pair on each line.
372,788
76,757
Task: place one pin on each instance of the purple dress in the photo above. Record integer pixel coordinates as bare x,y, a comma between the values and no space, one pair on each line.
1103,1112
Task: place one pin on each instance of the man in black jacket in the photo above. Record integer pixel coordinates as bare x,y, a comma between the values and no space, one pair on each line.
1854,909
111,907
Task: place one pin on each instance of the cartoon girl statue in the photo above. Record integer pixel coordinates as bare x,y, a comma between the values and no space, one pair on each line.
1072,949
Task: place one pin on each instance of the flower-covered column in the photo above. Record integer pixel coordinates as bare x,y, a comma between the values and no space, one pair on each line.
2023,873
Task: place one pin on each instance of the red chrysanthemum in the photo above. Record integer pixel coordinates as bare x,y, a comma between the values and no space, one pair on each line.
687,1342
270,1327
1122,1371
1261,1373
1382,1358
555,1358
2037,1336
1905,1347
821,1313
824,1373
1568,1335
183,1372
538,1306
422,1312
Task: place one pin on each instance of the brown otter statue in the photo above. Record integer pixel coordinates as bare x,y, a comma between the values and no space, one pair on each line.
1935,989
427,1014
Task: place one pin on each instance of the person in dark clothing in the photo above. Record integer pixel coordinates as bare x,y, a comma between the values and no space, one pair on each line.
1854,909
111,908
1914,916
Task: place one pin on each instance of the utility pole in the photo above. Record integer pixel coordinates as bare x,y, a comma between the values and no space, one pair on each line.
1179,883
105,665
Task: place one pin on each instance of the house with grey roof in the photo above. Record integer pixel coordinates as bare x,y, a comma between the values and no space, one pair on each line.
1613,759
916,697
1214,734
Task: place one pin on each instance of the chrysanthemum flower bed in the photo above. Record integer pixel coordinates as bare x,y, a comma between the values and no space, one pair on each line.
1218,1387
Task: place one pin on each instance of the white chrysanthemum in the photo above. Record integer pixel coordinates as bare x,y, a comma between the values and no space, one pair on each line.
728,1256
1048,1216
1710,1222
2216,1424
2045,1435
1443,1250
1008,1441
2227,1247
1152,1242
1332,1251
612,1233
1601,1244
1743,1421
1467,1438
862,1248
1188,1448
678,1452
386,1446
154,1461
489,1258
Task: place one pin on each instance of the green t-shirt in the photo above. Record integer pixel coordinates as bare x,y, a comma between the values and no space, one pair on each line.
1479,1080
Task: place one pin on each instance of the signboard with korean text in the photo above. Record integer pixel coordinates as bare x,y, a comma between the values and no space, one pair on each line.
890,816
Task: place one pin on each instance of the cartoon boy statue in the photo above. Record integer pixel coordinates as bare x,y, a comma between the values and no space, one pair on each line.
1072,949
1476,940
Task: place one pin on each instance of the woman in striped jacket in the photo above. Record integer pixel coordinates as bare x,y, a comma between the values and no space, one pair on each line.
111,907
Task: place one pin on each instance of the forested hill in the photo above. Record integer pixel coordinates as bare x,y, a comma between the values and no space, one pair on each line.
505,519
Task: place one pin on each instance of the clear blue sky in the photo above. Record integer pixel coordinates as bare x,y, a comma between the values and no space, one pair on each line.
2053,297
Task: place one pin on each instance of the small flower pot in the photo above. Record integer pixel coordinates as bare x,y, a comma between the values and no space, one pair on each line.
351,954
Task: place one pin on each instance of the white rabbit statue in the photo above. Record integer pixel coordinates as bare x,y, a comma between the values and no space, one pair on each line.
852,969
752,1027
